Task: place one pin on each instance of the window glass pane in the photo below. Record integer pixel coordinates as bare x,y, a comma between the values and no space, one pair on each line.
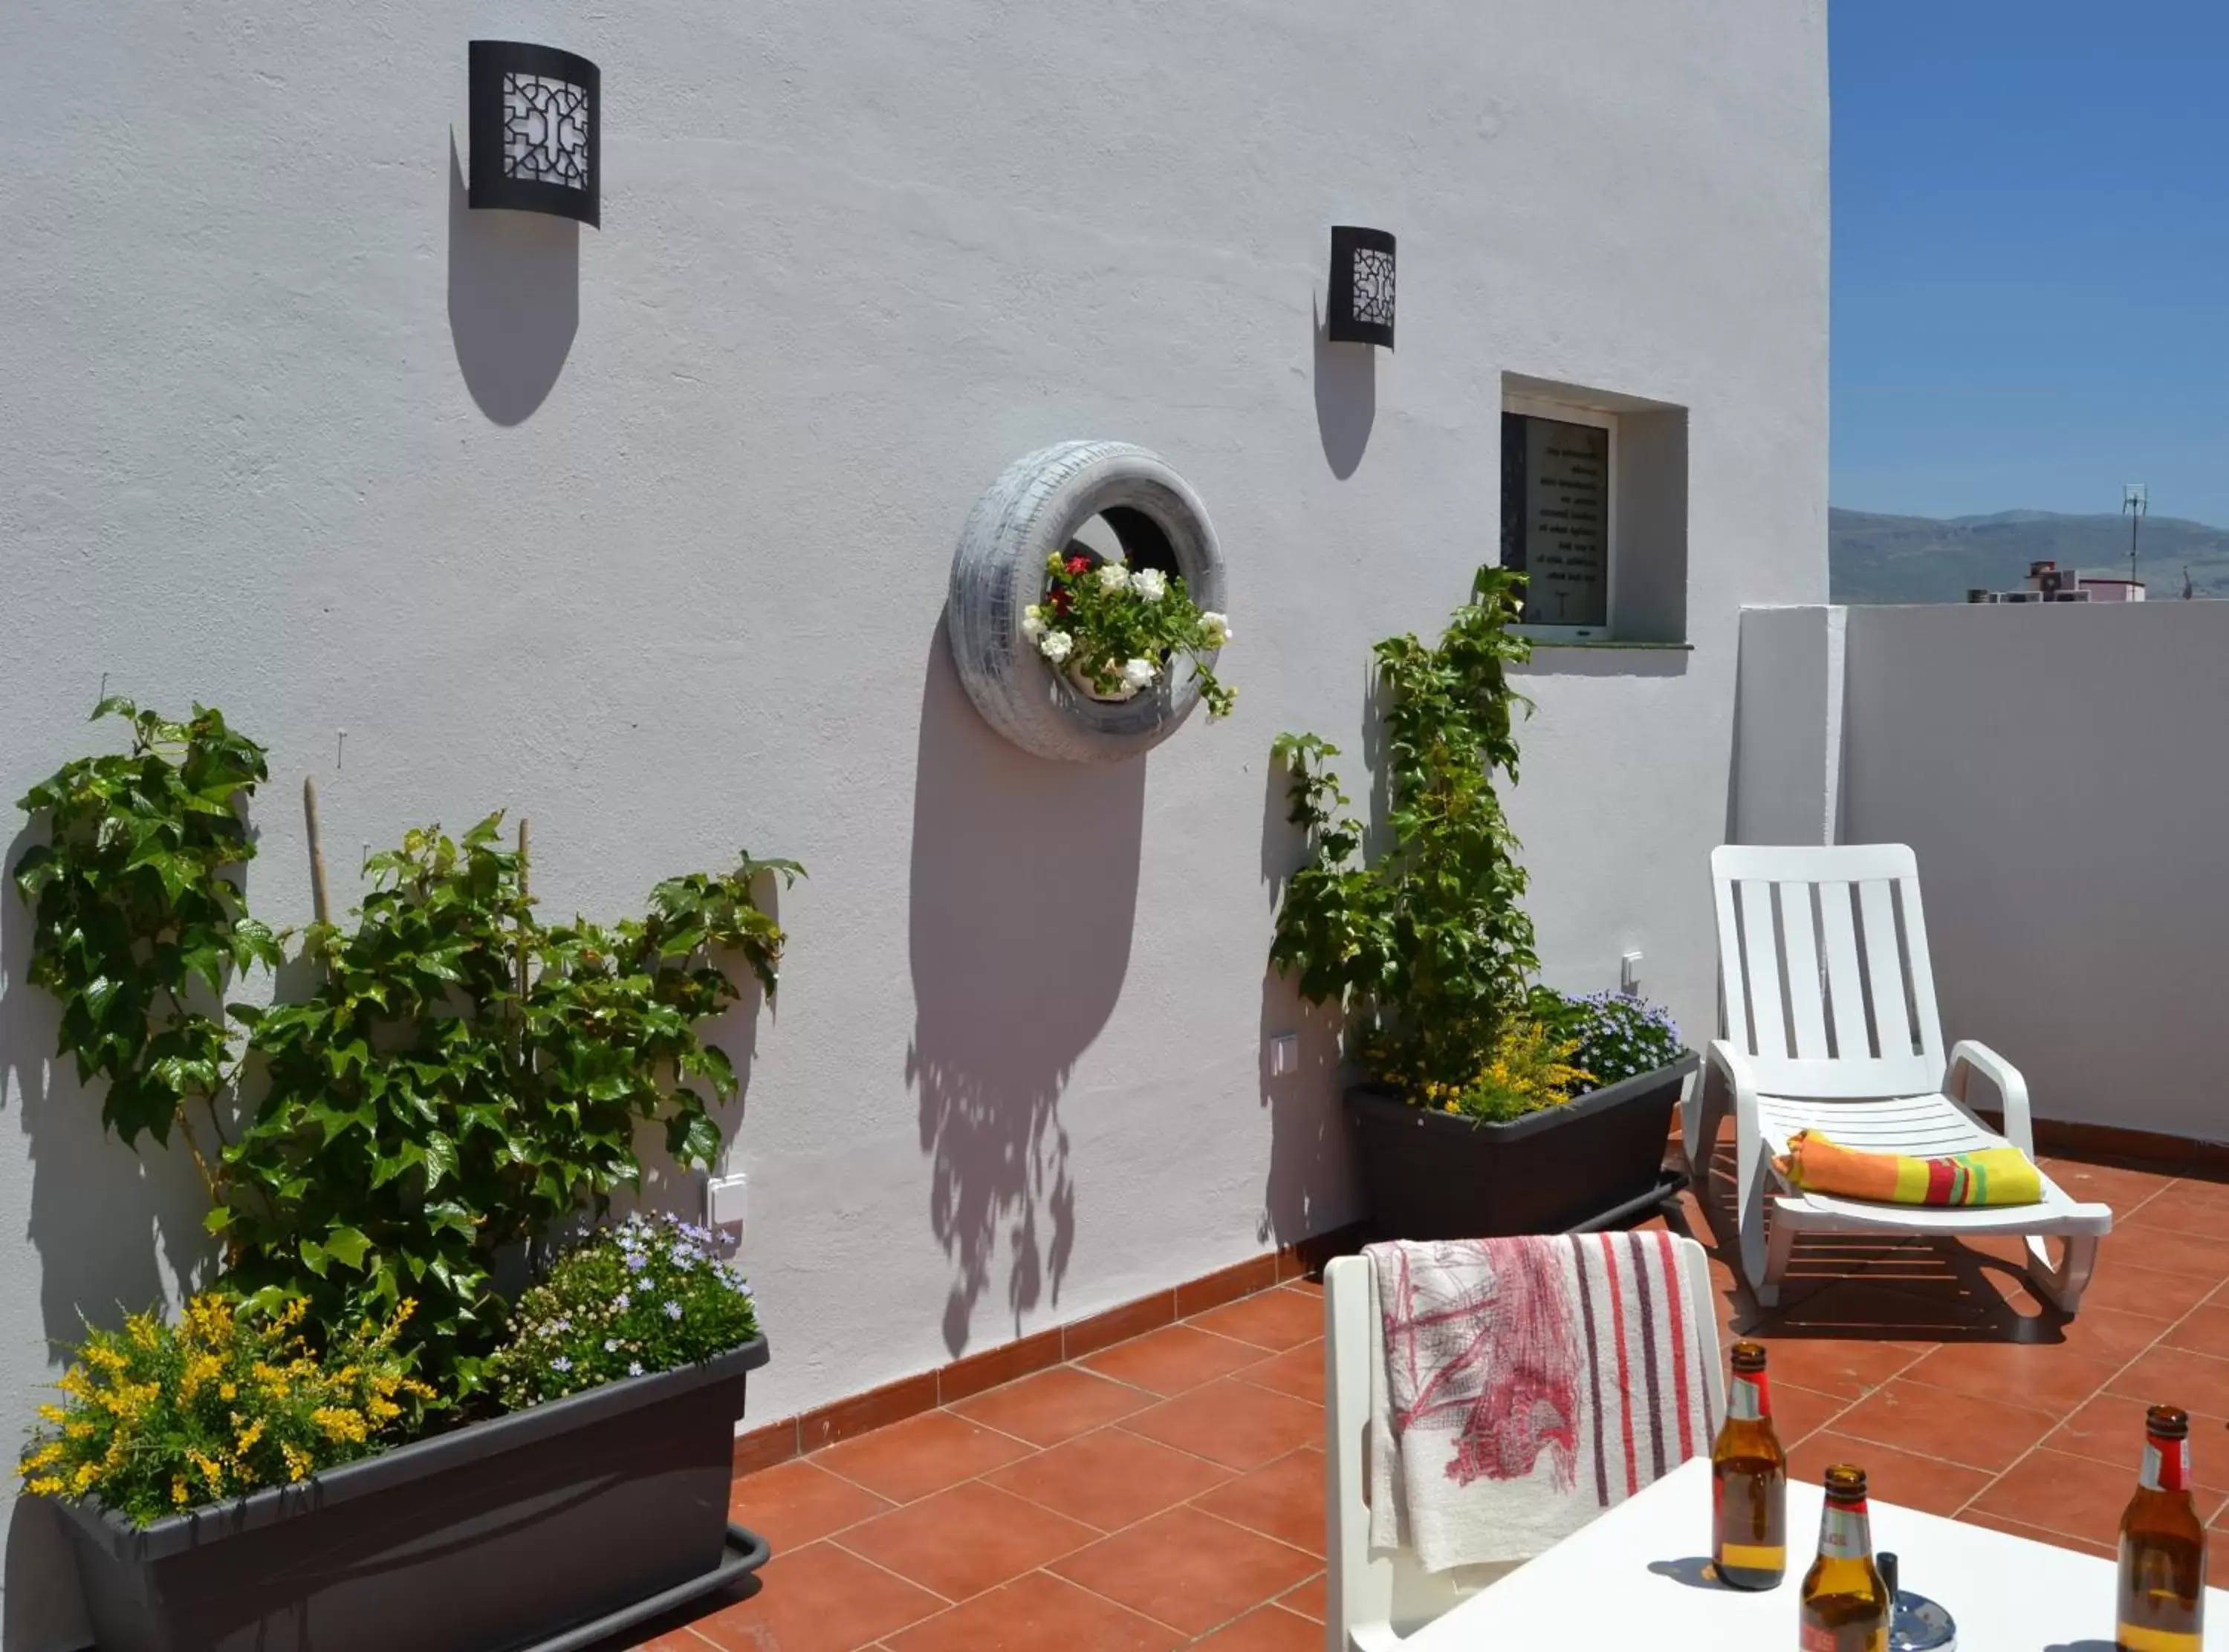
1555,517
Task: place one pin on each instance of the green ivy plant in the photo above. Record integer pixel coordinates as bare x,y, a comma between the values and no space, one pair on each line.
1428,946
460,1079
140,924
422,1115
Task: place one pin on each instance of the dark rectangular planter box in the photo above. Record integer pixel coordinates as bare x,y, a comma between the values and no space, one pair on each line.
1434,1176
504,1535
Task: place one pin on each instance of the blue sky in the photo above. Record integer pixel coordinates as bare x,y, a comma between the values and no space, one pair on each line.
2031,298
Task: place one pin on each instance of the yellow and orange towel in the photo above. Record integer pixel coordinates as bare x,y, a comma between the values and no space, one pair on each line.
1994,1176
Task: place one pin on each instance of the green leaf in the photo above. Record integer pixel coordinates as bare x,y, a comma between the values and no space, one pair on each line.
440,1160
693,1138
385,1168
347,1246
218,1220
271,1299
313,1256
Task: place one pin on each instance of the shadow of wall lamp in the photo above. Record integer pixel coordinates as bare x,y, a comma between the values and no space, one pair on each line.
1360,307
534,119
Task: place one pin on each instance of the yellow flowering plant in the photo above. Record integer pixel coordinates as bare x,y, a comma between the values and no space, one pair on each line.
1530,1068
160,1418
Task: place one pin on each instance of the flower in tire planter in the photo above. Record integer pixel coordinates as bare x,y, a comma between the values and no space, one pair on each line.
1013,670
1116,630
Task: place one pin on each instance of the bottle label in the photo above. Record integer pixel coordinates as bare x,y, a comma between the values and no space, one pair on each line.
2133,1638
1748,1402
2167,1465
1753,1557
1846,1532
1815,1637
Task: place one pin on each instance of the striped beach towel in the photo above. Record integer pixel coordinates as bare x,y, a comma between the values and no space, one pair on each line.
1528,1385
1993,1175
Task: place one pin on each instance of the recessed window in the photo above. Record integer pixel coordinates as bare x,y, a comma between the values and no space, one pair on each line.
1559,514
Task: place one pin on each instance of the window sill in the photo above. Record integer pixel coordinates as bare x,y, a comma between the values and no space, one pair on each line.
1539,643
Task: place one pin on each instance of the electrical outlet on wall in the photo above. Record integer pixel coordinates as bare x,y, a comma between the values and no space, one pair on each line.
1284,1055
1629,975
726,1203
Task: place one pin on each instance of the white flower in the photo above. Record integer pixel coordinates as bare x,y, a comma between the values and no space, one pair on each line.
1139,674
1112,576
1150,583
1033,622
1216,628
1056,646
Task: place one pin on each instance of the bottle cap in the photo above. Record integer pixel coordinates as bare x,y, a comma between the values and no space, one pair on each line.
1748,1356
2168,1422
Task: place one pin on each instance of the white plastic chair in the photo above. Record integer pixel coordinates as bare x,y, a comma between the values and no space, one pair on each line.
1832,1025
1378,1598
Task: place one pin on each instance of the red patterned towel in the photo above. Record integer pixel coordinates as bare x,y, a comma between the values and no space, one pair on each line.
1528,1385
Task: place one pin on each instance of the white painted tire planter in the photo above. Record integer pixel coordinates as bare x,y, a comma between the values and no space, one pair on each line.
1031,511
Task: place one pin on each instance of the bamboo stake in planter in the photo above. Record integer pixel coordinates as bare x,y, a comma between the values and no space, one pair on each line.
525,894
318,899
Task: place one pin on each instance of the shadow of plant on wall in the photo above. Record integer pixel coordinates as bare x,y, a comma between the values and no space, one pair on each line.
1310,1187
1025,885
113,1227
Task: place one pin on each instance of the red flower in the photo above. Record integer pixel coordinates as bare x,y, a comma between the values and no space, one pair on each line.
1060,602
1077,564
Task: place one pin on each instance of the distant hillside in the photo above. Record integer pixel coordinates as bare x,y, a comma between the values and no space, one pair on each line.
1925,558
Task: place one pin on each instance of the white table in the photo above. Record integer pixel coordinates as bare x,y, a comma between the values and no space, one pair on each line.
1633,1579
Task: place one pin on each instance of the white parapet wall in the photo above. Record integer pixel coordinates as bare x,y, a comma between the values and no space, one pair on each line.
2060,772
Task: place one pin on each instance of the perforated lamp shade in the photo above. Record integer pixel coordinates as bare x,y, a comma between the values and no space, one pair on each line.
1360,294
535,112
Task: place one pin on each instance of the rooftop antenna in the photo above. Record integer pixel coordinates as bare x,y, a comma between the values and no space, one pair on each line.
2136,500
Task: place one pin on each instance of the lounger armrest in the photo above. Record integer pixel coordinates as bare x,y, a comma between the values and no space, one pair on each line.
1969,1057
1740,1075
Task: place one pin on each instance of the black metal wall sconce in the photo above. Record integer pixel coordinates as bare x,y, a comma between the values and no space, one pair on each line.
534,123
1361,297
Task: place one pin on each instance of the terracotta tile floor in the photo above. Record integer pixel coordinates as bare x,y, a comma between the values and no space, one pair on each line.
1168,1491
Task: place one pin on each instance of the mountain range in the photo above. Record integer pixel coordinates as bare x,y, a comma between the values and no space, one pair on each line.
1879,558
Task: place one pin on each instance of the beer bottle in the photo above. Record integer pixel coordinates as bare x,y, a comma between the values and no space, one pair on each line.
2162,1598
1749,1483
1845,1606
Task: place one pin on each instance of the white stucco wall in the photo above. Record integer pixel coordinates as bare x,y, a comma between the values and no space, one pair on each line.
2058,772
644,532
1788,726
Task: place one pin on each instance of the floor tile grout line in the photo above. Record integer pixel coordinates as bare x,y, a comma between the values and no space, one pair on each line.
1077,1363
892,1571
2095,1394
1048,1570
1102,1534
1099,1536
1154,1398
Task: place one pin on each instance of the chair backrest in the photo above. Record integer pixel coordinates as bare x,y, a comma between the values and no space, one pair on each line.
1377,1597
1822,952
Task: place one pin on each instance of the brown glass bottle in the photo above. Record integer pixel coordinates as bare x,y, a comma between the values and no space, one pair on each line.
1749,1483
1846,1604
2163,1597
